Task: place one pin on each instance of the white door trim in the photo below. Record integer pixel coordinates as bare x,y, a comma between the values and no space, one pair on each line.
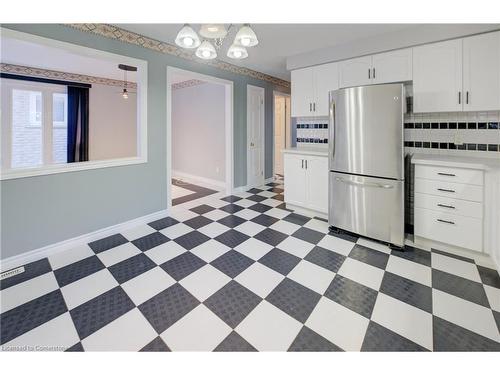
263,138
288,129
229,100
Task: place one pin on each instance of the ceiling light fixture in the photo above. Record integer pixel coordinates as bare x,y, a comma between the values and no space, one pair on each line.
126,68
213,31
206,51
237,52
246,36
187,37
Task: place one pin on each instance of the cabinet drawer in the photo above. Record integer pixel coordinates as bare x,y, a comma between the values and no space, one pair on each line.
449,205
455,230
449,189
458,175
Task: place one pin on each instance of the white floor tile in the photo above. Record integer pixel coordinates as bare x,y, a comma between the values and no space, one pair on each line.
317,225
296,246
455,266
26,291
336,244
176,230
212,201
137,232
216,215
362,273
178,191
182,214
164,252
469,315
493,295
312,276
66,257
118,253
410,270
266,193
212,230
130,332
199,330
278,213
242,194
147,285
85,289
250,228
285,226
408,321
374,245
245,203
267,328
271,202
205,282
259,279
247,214
254,248
57,334
210,250
338,324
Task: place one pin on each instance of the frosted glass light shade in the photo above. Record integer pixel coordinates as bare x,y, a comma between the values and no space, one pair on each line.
246,37
206,51
237,52
187,38
213,31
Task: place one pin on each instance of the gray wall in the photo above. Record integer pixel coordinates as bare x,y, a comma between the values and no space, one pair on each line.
198,131
42,210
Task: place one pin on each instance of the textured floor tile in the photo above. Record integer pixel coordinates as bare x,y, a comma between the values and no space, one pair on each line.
374,245
199,330
352,295
493,295
231,221
297,219
312,276
231,198
259,207
294,299
324,258
250,228
176,230
347,236
317,225
204,282
149,241
182,265
339,325
231,208
489,276
455,256
247,214
271,236
362,273
410,270
256,198
31,270
118,254
213,230
295,246
202,209
309,235
232,238
30,315
163,223
78,347
381,339
191,240
129,332
253,248
137,232
216,215
460,287
277,213
157,345
259,279
284,226
372,257
453,338
197,222
267,328
232,303
147,285
415,255
161,254
167,307
99,311
337,245
408,291
309,341
234,343
456,267
280,261
107,243
232,263
131,267
255,191
264,220
210,250
75,254
78,270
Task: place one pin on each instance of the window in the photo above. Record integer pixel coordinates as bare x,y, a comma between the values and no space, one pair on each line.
34,124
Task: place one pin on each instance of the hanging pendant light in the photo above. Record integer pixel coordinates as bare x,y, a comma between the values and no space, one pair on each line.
237,52
187,37
206,51
246,37
125,94
213,31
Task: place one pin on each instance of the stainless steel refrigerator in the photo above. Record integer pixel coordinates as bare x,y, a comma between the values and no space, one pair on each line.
366,178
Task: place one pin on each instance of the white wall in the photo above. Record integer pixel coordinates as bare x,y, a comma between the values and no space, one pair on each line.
112,123
198,131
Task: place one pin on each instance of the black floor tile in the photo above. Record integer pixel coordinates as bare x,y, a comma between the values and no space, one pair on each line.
231,221
192,239
202,209
309,235
78,347
325,258
254,191
280,261
198,221
157,345
131,267
231,199
31,270
232,263
464,259
408,291
369,256
256,198
259,207
276,190
149,241
231,208
381,339
78,270
264,220
415,255
232,238
344,235
234,343
107,243
309,341
163,223
297,219
271,237
460,287
489,276
182,265
232,303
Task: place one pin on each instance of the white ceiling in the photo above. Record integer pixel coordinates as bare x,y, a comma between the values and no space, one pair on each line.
278,41
20,52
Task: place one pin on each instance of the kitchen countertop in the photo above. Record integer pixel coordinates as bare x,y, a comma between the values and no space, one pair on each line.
457,161
307,150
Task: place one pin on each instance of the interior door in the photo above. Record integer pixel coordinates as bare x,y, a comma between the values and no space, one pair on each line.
279,132
302,92
255,135
355,72
481,72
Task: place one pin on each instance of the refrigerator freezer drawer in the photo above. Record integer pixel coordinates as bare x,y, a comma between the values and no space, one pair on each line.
371,207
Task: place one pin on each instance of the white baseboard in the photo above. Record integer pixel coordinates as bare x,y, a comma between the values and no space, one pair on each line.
210,183
43,252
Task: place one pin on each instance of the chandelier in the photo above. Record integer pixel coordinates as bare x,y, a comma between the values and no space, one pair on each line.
213,37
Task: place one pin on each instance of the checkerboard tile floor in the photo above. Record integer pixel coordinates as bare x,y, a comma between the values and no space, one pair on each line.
242,273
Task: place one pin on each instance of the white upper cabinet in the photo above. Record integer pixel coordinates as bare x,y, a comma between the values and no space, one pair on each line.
481,72
310,87
355,72
394,66
437,77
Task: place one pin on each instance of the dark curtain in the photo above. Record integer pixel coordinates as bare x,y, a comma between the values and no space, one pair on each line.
78,124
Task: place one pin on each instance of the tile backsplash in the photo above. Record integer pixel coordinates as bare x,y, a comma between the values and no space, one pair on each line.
312,132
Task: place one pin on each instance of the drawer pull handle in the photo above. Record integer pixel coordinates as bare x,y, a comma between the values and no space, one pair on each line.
446,174
445,206
447,190
446,221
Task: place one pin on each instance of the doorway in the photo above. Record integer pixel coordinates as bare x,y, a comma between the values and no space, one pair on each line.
282,131
255,136
199,136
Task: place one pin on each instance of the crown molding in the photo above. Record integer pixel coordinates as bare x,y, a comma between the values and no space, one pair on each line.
117,33
64,76
186,84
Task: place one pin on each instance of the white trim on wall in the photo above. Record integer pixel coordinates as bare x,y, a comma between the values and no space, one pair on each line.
193,179
229,100
288,128
262,90
142,137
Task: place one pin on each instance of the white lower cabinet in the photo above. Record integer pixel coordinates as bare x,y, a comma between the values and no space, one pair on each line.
306,181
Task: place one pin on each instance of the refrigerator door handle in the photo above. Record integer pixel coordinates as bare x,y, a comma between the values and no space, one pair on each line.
331,141
369,184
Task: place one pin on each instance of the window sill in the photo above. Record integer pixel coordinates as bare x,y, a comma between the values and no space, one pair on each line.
72,167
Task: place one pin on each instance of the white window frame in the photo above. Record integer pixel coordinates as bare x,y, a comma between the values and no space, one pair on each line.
142,89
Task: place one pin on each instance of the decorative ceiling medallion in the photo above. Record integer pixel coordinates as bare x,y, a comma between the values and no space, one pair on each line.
114,32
